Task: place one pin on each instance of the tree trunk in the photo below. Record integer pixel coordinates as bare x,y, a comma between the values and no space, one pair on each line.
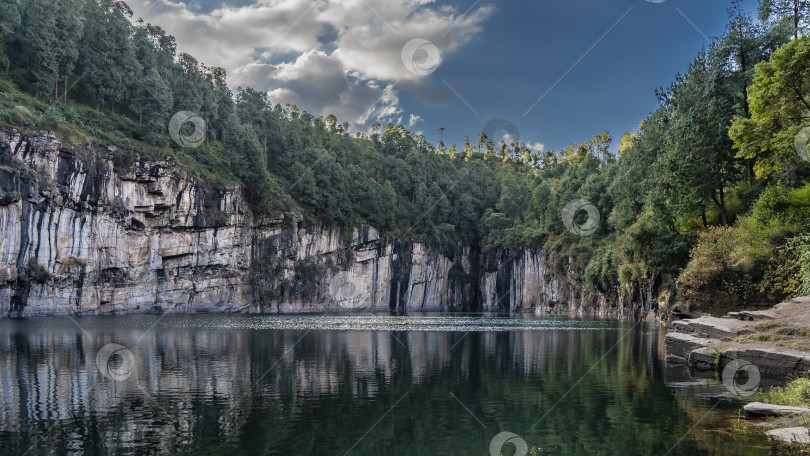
796,19
749,163
721,204
66,88
703,217
56,89
266,155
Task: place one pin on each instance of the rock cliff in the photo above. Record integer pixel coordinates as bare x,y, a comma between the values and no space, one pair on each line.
78,236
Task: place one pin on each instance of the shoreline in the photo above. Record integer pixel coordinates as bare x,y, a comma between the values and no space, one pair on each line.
743,348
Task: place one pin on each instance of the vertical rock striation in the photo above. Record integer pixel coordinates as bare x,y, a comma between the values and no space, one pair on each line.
78,236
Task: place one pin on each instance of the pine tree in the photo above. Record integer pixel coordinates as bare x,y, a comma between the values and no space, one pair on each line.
40,44
792,12
453,153
469,152
9,19
242,149
152,101
490,151
106,56
69,29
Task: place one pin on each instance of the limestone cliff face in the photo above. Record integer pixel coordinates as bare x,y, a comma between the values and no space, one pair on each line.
78,236
526,279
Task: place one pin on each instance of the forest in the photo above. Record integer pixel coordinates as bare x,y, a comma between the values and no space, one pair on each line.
712,189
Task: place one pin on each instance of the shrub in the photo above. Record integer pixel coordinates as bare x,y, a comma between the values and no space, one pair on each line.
38,273
800,247
795,393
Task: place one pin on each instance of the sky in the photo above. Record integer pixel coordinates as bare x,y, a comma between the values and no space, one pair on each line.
546,73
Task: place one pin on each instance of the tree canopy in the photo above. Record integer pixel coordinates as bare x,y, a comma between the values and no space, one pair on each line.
717,157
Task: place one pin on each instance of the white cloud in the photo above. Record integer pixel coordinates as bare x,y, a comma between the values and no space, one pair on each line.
327,56
536,146
414,119
507,138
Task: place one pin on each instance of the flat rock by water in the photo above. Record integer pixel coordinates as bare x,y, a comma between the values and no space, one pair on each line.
710,327
791,435
760,409
681,344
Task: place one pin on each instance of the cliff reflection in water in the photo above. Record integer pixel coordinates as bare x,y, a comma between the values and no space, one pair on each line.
218,385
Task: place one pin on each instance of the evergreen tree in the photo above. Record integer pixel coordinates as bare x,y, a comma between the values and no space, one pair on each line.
69,30
40,43
219,103
9,20
452,153
152,102
253,109
792,13
469,152
780,108
189,93
489,153
242,149
106,56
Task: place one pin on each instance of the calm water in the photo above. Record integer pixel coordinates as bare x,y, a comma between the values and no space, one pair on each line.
365,385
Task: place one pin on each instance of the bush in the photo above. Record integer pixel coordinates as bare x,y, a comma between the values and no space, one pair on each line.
754,262
796,393
800,247
37,272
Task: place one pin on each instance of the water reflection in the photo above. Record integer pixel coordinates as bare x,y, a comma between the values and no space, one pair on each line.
240,385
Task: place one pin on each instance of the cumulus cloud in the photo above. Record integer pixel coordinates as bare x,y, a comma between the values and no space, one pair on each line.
327,56
536,146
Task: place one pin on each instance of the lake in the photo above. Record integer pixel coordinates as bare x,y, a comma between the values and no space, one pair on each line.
354,385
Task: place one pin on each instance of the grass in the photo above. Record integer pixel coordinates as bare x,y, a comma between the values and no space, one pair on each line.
779,333
796,393
78,123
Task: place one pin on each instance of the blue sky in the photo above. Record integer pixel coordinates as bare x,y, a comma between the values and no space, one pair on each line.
597,62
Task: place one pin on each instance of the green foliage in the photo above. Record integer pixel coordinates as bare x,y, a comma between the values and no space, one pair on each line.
744,263
306,271
677,187
242,149
40,39
778,99
107,61
800,247
790,15
796,393
9,19
152,102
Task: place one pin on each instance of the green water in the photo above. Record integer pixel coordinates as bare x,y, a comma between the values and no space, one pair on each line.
362,385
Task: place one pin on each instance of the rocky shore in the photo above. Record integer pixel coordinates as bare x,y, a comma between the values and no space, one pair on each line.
743,348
